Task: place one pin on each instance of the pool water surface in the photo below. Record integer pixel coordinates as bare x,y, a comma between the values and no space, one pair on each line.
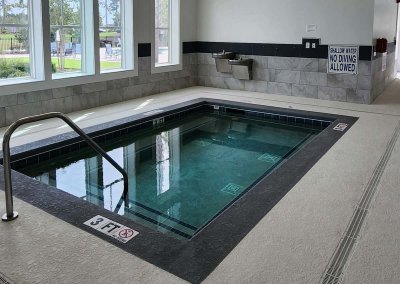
181,175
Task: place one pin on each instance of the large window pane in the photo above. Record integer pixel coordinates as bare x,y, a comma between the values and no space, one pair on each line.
65,36
162,29
110,33
14,39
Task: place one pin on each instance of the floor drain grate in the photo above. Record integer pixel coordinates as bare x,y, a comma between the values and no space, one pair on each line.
337,265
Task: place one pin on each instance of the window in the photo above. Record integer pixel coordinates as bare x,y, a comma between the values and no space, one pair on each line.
15,54
116,35
110,34
65,36
81,38
163,39
167,44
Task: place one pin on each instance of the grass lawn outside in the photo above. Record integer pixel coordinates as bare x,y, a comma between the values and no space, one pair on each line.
7,36
108,34
71,63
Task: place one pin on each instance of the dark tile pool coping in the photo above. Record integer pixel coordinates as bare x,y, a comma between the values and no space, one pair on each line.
195,259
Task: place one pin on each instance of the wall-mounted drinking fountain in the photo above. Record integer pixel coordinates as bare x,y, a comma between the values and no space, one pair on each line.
221,60
242,68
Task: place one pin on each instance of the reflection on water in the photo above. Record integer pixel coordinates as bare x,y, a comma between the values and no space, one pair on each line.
179,178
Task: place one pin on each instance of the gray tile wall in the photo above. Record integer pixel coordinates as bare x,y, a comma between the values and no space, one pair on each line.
68,99
300,77
381,79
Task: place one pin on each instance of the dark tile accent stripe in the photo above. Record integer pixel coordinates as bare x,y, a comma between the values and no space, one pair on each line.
144,49
268,49
261,49
189,47
365,53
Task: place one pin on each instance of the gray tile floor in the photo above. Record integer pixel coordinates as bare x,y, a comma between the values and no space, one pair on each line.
292,244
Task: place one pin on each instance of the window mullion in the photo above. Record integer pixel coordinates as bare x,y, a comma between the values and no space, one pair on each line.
95,40
40,41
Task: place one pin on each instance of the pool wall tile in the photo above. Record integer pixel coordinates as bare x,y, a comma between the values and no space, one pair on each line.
333,94
313,78
85,101
287,76
290,63
94,87
342,81
167,85
322,65
132,92
364,68
2,115
364,82
290,76
381,79
80,97
31,97
117,84
66,92
17,111
256,86
60,105
231,83
280,88
305,91
8,100
359,96
261,74
111,96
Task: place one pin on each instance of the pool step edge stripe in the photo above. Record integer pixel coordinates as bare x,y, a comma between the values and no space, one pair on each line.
339,261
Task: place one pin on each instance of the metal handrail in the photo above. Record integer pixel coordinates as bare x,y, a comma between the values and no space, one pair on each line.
11,214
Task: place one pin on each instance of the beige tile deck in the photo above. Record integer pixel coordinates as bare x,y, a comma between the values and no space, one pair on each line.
292,244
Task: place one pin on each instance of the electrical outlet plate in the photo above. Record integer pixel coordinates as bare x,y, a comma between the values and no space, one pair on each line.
311,43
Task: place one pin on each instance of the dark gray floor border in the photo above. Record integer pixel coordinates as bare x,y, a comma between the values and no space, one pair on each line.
195,259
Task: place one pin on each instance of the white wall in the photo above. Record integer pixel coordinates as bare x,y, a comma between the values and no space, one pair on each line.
284,21
385,18
188,18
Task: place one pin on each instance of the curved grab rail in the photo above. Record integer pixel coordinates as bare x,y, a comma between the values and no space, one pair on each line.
11,214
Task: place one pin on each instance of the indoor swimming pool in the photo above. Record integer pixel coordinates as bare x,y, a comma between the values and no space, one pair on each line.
201,175
181,175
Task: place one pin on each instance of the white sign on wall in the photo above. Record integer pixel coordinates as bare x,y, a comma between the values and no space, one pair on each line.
343,59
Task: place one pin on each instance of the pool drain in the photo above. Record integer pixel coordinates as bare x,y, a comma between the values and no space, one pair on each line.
338,263
232,188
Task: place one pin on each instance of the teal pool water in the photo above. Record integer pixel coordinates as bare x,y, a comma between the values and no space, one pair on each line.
181,176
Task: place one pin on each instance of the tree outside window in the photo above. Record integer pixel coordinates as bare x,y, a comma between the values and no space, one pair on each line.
110,34
162,31
14,39
65,35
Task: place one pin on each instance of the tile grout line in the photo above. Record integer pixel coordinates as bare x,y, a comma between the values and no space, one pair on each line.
340,258
4,279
